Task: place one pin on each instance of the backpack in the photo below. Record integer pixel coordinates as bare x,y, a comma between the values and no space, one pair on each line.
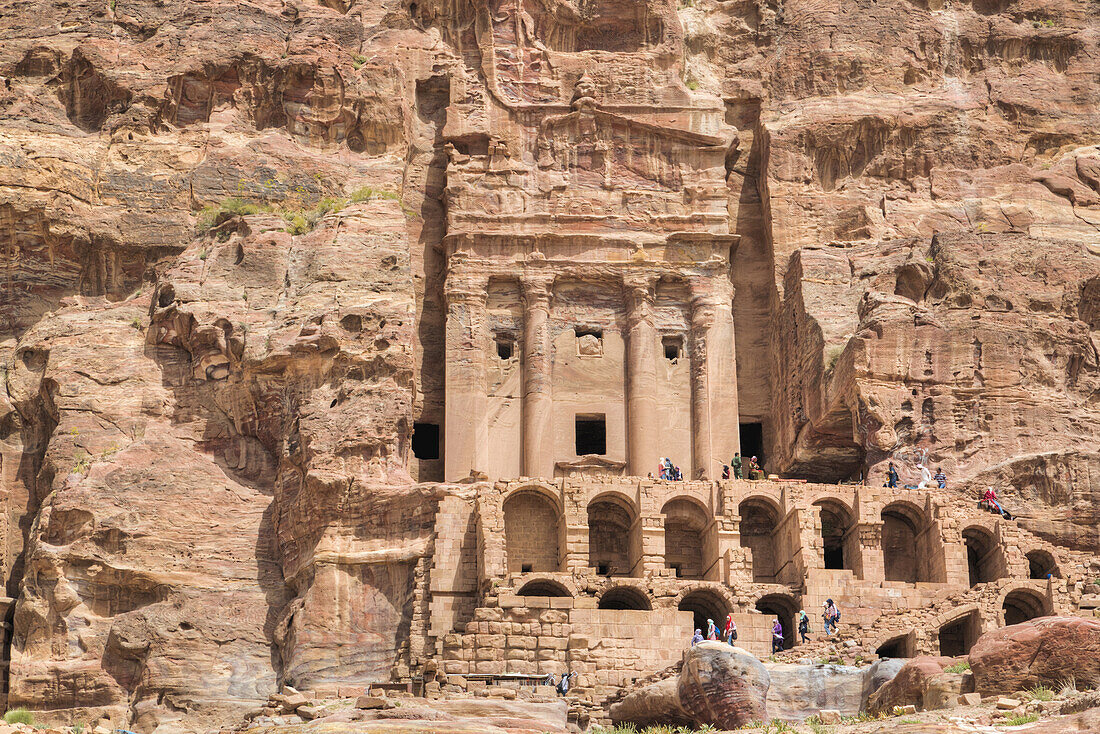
837,618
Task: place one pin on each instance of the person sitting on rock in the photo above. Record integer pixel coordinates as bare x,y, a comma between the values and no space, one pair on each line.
803,625
730,633
989,499
777,636
696,638
725,471
892,476
940,477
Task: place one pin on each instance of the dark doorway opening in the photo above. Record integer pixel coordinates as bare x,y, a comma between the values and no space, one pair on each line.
425,441
956,638
673,346
897,647
784,608
752,442
591,435
705,605
623,598
505,347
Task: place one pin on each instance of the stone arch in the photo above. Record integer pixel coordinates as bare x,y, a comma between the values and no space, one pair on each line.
785,607
613,544
532,531
898,646
902,525
759,520
840,546
957,635
686,537
1023,604
984,560
1040,563
625,597
544,587
705,603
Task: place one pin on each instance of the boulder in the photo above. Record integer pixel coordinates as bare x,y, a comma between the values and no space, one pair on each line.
1047,651
654,705
943,690
800,691
723,686
879,674
909,686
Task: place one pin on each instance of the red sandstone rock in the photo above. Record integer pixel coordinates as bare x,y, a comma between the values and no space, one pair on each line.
1047,651
723,686
909,686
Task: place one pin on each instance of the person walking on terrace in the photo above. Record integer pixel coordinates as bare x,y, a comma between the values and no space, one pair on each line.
831,615
940,477
730,632
803,625
712,631
777,637
736,464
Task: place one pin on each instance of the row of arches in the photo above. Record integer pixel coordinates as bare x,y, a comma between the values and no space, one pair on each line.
911,551
534,535
956,636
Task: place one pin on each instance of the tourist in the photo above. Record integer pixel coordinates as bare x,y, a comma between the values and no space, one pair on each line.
563,684
831,615
696,638
677,475
940,477
730,632
892,476
712,631
777,637
989,499
755,472
736,464
725,471
803,625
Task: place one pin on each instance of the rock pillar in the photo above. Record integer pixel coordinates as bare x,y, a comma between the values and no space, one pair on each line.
466,426
538,437
641,378
714,414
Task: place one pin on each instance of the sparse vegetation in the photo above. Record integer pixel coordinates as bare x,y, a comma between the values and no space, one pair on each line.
358,60
1044,23
298,221
83,461
832,356
1041,693
135,323
958,667
692,84
19,716
1021,720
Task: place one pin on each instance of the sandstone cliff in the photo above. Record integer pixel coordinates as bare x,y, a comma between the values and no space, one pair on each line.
221,312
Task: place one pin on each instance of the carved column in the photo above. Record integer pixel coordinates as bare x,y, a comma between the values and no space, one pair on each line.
641,378
538,403
466,426
714,412
702,317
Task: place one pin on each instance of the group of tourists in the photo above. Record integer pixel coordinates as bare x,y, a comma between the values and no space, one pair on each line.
737,464
830,615
892,478
666,470
728,634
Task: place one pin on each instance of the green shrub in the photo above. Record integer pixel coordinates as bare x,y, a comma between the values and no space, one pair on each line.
296,223
1021,720
19,716
958,667
1041,693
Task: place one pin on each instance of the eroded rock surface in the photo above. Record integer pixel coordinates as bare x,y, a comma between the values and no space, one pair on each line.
1050,651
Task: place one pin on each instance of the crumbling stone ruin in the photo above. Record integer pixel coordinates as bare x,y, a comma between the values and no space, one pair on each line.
342,340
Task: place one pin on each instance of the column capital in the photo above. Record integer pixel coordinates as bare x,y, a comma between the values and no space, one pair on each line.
537,289
640,291
466,289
